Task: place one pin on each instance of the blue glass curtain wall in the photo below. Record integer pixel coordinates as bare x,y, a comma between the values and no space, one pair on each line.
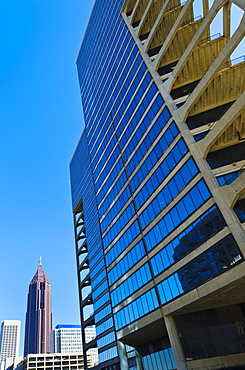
130,259
213,332
140,307
204,227
157,355
163,360
215,261
197,196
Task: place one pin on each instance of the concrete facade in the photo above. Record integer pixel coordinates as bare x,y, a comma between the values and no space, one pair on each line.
44,361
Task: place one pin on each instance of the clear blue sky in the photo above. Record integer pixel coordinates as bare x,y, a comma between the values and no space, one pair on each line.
41,121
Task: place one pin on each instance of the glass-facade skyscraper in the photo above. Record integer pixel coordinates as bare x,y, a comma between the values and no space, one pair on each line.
158,185
38,315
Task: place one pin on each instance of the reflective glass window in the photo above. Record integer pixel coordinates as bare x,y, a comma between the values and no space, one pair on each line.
215,261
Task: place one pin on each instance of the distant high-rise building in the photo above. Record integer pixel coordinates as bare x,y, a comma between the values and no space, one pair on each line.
38,315
68,339
9,339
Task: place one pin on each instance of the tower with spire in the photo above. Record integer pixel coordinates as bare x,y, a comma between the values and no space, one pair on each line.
38,315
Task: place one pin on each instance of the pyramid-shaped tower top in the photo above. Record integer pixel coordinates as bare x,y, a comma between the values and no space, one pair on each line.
40,274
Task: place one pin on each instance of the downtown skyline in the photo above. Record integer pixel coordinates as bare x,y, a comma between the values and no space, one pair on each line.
38,324
41,117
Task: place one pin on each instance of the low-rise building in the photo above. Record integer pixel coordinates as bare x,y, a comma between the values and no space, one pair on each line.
53,361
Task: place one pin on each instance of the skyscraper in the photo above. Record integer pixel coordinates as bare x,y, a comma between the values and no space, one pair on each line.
9,339
158,184
38,315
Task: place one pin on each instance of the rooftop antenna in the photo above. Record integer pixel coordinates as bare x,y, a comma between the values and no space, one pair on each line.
40,260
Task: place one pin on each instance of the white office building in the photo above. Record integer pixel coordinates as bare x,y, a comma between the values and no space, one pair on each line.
9,339
68,339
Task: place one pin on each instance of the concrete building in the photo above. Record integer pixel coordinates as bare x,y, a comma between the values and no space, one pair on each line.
9,339
53,361
158,186
68,339
39,314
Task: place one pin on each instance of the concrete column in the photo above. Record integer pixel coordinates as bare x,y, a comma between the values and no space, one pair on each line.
221,126
217,5
205,7
213,70
134,11
175,343
122,356
172,33
227,20
231,192
156,25
144,17
138,360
